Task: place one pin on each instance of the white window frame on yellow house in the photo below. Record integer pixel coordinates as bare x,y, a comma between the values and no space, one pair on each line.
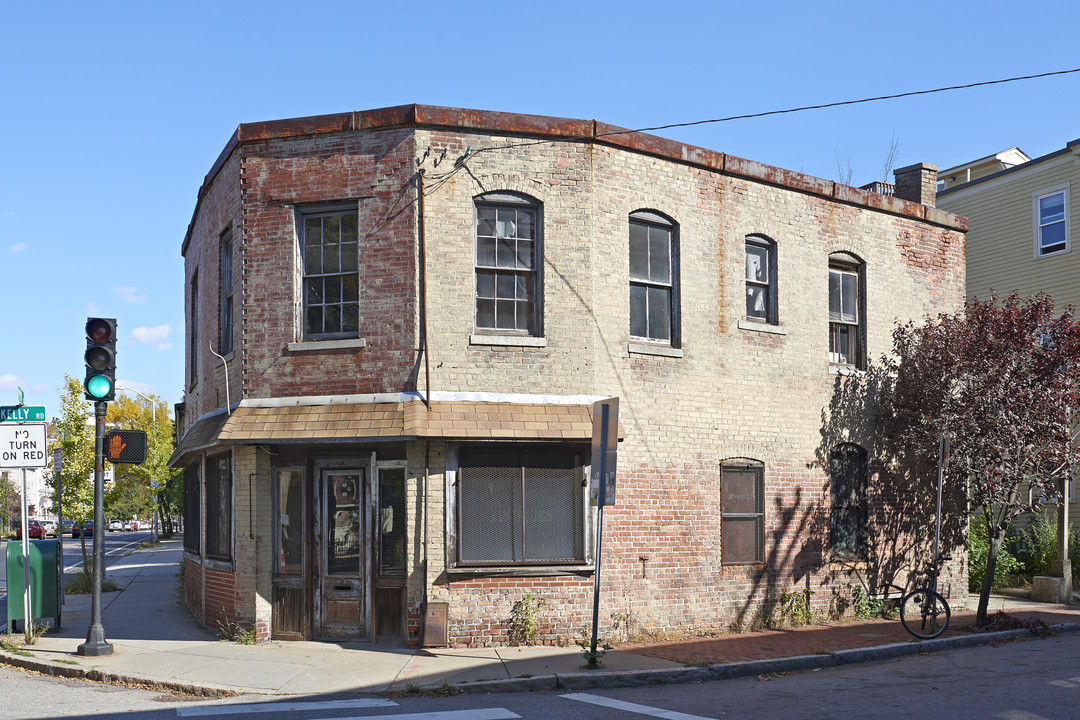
1038,221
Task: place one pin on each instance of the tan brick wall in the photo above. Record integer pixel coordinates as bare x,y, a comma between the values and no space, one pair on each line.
734,393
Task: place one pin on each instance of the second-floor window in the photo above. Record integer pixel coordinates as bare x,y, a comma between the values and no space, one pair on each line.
654,290
847,327
761,279
329,245
508,280
1051,223
226,300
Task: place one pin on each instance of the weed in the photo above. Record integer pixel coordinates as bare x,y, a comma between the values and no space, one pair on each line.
593,659
865,606
524,622
235,632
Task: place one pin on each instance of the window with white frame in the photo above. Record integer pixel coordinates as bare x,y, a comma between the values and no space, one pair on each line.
847,327
508,251
1051,222
761,279
654,288
329,246
522,505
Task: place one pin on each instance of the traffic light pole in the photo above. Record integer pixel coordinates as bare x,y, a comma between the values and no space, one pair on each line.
95,636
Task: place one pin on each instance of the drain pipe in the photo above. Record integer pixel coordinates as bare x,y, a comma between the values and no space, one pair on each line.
423,289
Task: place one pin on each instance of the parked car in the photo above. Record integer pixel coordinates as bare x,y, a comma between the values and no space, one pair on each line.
86,528
50,527
128,525
115,525
68,525
37,530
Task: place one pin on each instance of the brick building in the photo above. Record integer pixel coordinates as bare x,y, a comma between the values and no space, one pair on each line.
399,321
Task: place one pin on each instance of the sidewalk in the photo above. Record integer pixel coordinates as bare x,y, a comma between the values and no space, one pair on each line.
156,642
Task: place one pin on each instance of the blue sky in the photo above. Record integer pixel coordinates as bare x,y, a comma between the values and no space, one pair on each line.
113,112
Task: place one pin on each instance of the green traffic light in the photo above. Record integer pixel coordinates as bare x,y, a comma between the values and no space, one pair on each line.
99,386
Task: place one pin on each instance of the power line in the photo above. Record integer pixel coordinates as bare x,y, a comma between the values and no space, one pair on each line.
845,102
782,112
580,138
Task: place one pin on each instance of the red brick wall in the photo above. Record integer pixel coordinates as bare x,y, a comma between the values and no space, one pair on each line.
193,587
220,597
376,167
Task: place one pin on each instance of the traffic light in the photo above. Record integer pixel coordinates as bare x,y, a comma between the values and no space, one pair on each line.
125,446
100,357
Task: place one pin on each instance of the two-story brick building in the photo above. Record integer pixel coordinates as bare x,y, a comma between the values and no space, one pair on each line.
398,323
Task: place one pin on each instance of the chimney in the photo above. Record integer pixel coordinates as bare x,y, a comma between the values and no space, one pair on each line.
917,183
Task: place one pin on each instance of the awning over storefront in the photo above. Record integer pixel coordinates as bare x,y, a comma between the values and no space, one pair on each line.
342,422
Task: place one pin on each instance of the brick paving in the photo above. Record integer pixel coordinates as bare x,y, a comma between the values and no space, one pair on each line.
826,638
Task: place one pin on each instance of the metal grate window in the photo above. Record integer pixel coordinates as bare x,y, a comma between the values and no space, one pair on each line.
192,508
742,529
520,508
219,507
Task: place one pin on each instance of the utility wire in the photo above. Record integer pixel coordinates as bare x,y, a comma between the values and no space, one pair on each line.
846,102
580,138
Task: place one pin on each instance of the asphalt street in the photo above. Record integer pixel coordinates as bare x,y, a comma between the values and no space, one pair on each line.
1021,680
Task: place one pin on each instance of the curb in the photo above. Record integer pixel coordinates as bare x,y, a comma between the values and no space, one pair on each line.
72,672
749,668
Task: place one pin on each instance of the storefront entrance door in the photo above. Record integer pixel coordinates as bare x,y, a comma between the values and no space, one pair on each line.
342,603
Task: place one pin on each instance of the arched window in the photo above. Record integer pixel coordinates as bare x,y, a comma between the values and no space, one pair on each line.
761,279
654,278
850,516
509,292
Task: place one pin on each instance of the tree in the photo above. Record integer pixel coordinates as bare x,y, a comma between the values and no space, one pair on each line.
132,492
1000,380
76,440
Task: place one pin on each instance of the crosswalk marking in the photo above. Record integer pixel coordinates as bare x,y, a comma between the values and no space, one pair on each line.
631,707
478,714
215,710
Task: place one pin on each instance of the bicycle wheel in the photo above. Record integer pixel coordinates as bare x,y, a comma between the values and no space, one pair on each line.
924,613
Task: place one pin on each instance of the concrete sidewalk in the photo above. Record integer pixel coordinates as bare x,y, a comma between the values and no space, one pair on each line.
156,642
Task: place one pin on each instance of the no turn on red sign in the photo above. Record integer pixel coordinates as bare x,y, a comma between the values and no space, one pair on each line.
22,446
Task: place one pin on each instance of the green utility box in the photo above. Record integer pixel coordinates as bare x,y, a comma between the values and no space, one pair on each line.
44,582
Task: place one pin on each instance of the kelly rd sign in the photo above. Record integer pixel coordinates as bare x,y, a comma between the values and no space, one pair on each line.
22,413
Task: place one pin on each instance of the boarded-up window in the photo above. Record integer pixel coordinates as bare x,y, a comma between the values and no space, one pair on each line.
850,511
219,507
742,530
192,508
521,506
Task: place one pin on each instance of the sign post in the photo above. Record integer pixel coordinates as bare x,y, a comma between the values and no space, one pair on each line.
605,439
22,446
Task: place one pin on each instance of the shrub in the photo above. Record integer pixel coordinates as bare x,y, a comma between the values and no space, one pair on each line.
978,550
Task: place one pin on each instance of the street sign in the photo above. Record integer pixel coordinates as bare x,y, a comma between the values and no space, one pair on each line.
22,413
125,446
22,446
605,444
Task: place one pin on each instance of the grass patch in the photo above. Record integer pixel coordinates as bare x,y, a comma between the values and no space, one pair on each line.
82,583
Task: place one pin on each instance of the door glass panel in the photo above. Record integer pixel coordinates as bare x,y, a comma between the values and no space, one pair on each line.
290,540
392,521
343,523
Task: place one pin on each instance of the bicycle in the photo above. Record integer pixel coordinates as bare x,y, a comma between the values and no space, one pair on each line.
924,612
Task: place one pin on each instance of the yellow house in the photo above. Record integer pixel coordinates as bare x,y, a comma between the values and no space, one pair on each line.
1023,222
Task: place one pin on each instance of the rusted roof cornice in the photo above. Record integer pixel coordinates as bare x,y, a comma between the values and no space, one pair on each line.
570,129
